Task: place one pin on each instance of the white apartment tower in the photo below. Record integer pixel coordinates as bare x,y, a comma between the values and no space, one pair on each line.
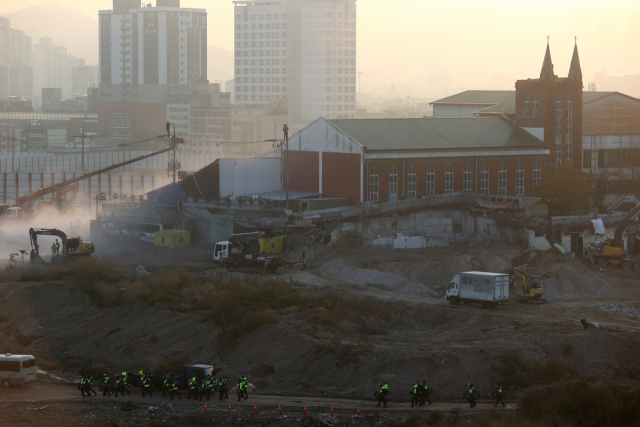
165,44
300,50
16,62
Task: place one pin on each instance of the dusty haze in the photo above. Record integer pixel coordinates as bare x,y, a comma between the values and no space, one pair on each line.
479,44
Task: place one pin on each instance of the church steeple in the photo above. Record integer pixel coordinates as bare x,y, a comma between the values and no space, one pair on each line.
547,66
575,72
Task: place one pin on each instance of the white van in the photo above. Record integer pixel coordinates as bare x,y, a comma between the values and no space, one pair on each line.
17,369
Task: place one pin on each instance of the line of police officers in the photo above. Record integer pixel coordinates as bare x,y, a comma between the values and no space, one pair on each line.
209,385
419,394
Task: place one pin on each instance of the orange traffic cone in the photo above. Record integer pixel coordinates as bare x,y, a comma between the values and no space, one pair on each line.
358,412
279,409
205,407
332,410
305,411
255,409
229,408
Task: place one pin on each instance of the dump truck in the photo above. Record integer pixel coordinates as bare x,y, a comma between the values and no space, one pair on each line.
479,287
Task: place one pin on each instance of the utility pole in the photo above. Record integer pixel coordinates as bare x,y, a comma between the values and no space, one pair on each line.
82,163
13,150
173,166
285,129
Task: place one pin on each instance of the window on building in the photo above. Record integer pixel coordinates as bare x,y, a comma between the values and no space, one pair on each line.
448,179
526,107
569,136
412,180
537,174
431,181
374,185
393,180
586,158
466,179
535,106
484,180
520,180
502,180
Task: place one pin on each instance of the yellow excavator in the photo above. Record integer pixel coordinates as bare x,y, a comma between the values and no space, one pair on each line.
612,250
532,292
72,247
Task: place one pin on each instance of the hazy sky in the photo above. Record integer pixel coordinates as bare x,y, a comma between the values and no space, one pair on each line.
403,41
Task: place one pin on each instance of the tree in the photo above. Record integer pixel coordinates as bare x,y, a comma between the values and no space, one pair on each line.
564,187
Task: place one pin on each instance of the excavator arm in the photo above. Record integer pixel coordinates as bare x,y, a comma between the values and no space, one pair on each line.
35,232
617,237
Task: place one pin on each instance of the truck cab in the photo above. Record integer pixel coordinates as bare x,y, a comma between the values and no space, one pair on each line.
453,288
221,251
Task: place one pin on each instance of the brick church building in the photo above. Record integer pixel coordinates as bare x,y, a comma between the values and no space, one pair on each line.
384,160
551,109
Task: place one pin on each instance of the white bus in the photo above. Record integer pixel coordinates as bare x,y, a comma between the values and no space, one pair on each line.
17,369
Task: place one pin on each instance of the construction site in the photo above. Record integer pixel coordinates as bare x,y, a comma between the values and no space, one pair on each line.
317,301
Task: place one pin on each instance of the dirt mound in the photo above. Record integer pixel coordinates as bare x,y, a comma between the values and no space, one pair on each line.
339,269
347,243
628,310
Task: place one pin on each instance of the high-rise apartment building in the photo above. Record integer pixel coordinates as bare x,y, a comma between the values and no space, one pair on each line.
303,51
165,44
16,62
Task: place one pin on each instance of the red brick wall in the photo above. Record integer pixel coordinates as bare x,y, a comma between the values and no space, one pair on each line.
341,176
304,171
458,164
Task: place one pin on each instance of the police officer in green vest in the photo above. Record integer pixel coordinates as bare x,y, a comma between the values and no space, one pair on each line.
83,385
173,389
105,388
192,388
414,394
165,385
425,392
145,385
118,386
383,393
241,387
244,389
124,382
88,384
470,398
499,396
224,388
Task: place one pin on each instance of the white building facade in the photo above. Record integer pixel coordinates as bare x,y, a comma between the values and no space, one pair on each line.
16,62
166,44
303,51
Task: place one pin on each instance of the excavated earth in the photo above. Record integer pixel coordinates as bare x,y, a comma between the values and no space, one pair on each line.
425,338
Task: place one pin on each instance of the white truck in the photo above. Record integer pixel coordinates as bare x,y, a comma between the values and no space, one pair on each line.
485,289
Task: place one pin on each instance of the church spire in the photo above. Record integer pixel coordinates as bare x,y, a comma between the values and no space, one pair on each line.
575,72
547,66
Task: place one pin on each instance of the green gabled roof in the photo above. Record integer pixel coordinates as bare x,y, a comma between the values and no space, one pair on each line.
438,134
479,97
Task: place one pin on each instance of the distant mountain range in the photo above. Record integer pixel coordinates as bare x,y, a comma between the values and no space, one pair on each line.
78,32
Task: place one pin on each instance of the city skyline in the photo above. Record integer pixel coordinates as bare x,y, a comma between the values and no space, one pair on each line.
471,56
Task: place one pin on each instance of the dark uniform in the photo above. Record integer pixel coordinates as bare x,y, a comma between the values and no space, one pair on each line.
105,389
471,399
425,392
119,387
83,386
124,383
384,392
244,389
241,387
165,386
414,394
499,396
192,388
145,386
224,388
88,384
173,389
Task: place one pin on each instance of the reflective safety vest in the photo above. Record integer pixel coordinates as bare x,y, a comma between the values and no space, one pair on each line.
82,381
89,381
192,383
124,378
415,389
384,387
106,379
175,386
146,383
57,244
224,381
500,390
164,383
471,390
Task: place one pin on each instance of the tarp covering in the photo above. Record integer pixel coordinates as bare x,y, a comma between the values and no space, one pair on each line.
488,204
164,198
274,245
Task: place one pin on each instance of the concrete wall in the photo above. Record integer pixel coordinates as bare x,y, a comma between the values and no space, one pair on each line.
249,176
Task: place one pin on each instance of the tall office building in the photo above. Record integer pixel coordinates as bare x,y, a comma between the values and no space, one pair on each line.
16,62
165,44
303,51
